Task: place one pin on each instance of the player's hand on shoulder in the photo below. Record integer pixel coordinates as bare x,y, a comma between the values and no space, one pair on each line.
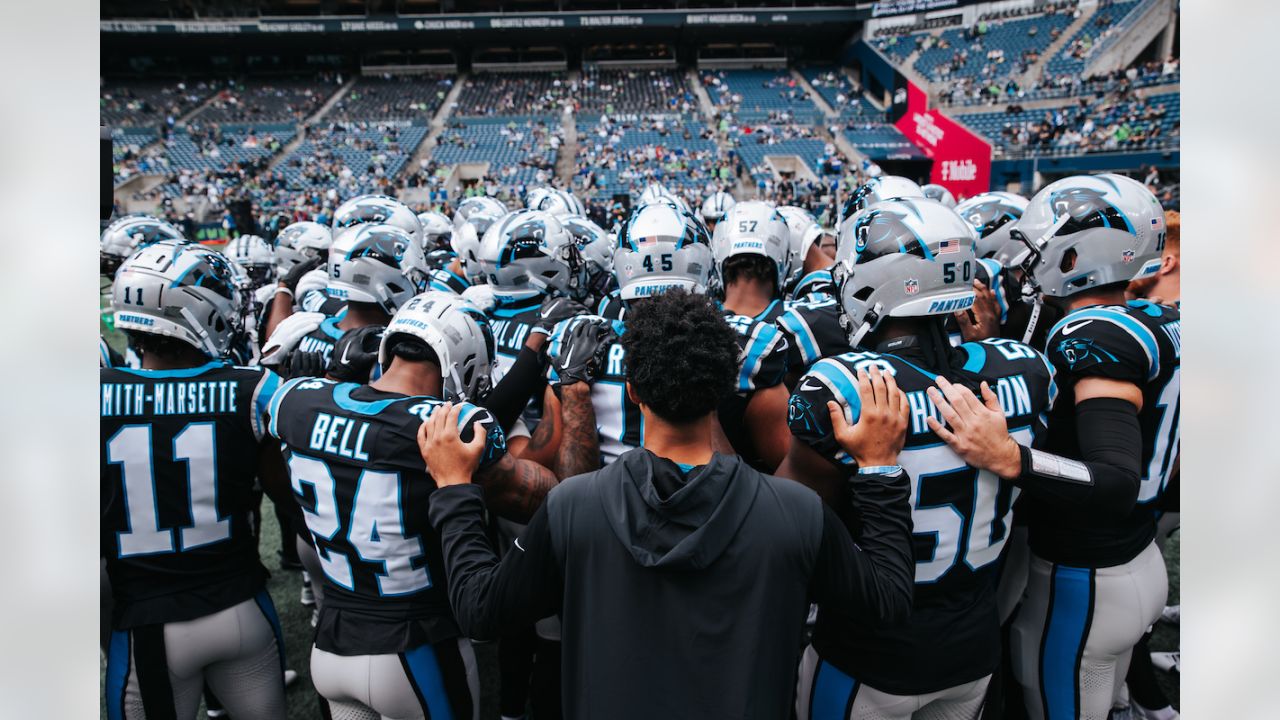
881,429
355,353
555,310
303,364
582,351
449,460
976,430
291,278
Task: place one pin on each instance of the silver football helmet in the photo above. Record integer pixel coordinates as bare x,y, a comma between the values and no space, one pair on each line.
992,215
1090,230
300,242
437,231
182,290
715,206
126,235
376,210
879,189
753,227
560,203
798,221
661,247
478,205
459,335
908,257
934,191
255,255
528,254
380,264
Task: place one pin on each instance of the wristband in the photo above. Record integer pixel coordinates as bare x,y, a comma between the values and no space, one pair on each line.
285,290
880,470
1047,466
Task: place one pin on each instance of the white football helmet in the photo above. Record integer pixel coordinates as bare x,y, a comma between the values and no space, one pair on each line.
992,215
753,227
375,263
300,242
715,206
126,235
560,203
661,247
182,290
798,221
255,255
933,191
457,332
879,189
528,254
376,210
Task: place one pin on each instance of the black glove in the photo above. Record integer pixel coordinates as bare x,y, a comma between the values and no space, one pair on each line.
303,364
582,353
291,278
554,310
355,353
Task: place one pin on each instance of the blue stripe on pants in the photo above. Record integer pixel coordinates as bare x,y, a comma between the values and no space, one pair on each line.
425,669
117,673
269,609
1068,625
831,693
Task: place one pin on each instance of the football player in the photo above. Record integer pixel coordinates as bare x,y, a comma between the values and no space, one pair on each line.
751,247
714,208
386,644
182,442
470,222
596,247
903,267
120,240
437,239
1097,581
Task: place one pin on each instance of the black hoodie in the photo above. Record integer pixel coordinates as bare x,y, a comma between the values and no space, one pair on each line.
680,596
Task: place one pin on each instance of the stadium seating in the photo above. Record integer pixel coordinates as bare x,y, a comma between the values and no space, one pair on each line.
758,94
617,158
267,101
990,49
1070,60
880,140
350,157
753,149
515,93
1103,126
840,92
633,91
517,149
139,104
415,98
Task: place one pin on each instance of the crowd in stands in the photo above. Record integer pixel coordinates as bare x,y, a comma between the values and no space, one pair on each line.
633,91
758,94
261,101
148,104
1115,123
990,50
842,93
414,98
624,157
515,93
354,158
518,153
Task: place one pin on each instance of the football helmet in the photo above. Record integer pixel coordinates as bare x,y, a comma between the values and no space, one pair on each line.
255,256
478,205
458,334
879,189
798,222
934,191
124,236
182,290
1085,231
596,248
753,227
560,203
300,242
376,263
715,206
437,231
992,215
661,247
376,210
907,257
528,254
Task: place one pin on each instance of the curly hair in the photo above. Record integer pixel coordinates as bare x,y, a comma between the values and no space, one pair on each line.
750,267
682,357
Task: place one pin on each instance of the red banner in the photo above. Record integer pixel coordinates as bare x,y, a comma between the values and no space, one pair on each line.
961,158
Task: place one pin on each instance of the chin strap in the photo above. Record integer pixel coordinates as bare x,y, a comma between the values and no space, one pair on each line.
1036,307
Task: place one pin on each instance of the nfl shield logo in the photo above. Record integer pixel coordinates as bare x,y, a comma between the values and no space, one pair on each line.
1127,257
912,286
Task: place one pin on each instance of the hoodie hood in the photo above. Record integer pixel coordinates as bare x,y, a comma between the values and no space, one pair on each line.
694,525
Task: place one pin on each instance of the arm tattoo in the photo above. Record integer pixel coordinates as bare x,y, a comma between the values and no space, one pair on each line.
580,447
516,488
544,434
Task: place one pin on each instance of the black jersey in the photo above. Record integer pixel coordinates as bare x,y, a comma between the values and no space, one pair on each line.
813,331
762,365
322,302
179,462
323,338
961,517
1141,343
355,468
445,281
813,286
512,323
612,307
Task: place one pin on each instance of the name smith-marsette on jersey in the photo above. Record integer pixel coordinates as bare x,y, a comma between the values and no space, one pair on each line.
170,398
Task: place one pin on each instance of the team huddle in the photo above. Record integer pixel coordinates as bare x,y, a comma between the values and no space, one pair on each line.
912,459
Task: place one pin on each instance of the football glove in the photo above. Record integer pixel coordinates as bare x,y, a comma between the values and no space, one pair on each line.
355,353
582,350
303,364
287,335
291,278
481,296
553,311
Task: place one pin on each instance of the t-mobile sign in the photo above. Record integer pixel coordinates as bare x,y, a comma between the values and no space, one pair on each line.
961,159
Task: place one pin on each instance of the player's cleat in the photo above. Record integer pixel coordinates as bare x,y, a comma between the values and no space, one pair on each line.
315,616
290,677
1172,614
1167,661
308,595
216,713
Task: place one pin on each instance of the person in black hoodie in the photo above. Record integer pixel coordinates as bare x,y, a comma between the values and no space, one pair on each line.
682,576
